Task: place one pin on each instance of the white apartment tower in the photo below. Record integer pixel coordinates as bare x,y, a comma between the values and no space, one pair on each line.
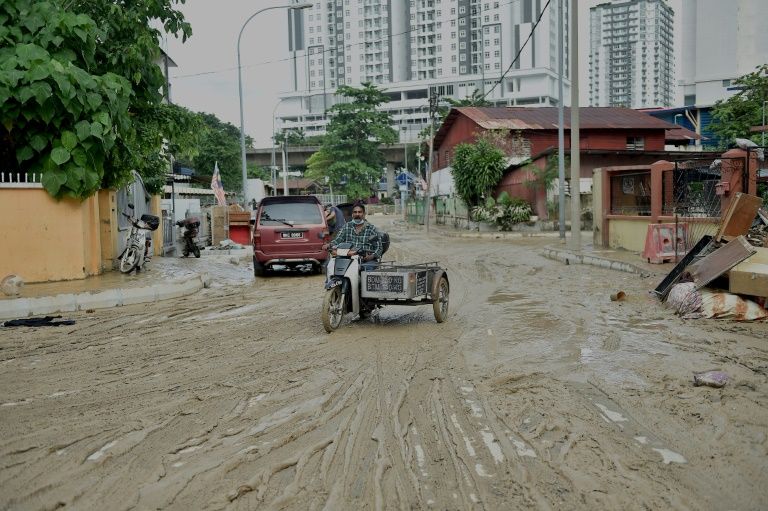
631,54
408,47
721,41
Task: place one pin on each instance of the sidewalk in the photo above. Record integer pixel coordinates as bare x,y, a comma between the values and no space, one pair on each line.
164,278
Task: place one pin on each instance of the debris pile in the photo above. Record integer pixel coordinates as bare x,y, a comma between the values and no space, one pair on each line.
226,244
726,275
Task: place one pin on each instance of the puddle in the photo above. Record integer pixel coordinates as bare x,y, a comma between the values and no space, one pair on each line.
493,446
101,452
481,470
670,456
522,449
610,414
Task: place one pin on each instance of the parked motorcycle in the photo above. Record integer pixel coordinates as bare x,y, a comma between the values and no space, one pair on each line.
190,225
138,243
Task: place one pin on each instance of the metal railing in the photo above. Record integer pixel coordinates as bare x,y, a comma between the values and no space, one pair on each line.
20,180
327,198
694,191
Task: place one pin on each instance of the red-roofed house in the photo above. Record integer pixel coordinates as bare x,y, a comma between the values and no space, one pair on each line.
608,137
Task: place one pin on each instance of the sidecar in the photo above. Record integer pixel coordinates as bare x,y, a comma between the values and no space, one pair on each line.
391,284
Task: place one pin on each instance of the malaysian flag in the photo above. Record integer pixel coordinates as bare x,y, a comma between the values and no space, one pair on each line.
216,186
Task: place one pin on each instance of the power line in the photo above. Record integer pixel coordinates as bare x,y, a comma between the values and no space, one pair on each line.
533,29
333,49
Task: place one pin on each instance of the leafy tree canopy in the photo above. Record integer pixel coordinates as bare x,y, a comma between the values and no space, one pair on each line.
80,92
476,99
734,116
477,169
220,142
349,155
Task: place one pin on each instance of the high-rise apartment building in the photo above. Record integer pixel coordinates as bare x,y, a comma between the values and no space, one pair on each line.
721,41
631,54
408,47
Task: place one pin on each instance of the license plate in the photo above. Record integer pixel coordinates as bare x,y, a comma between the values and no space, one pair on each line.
291,235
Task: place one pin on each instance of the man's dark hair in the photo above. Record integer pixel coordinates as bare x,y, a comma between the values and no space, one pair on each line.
359,204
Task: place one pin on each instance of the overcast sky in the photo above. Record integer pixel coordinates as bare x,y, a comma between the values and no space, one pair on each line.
206,79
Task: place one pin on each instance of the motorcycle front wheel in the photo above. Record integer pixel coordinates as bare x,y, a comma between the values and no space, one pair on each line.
333,309
129,259
196,251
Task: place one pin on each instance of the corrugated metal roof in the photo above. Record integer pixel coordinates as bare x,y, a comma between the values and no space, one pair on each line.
680,133
545,118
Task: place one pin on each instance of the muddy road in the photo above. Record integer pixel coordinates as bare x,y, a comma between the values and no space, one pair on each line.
537,393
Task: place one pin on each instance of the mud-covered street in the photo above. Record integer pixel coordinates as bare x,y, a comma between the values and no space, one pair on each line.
538,392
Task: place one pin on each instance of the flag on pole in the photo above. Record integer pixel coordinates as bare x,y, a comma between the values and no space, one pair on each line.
217,187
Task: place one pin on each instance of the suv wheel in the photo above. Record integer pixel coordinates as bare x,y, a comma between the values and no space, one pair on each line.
258,268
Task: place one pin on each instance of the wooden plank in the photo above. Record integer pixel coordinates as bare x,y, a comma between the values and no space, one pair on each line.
739,217
720,261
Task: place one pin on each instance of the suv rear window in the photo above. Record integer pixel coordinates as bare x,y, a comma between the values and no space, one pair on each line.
294,213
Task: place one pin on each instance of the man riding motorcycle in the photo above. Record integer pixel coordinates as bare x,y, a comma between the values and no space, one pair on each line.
363,236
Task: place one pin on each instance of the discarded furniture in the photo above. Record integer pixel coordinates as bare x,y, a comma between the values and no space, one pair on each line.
662,290
739,217
720,261
750,277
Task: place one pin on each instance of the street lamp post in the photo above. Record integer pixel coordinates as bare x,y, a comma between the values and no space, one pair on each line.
240,87
273,170
762,137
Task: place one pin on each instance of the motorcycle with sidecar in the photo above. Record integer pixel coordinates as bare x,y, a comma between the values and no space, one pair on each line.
351,287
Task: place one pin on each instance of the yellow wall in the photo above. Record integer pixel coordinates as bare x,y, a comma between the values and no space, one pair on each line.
108,227
157,236
48,240
628,234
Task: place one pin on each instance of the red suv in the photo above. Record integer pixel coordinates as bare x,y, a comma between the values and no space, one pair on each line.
289,231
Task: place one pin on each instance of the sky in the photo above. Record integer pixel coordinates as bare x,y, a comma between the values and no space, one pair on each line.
206,77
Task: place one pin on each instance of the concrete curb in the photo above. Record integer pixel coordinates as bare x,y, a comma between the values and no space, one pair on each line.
499,234
571,258
25,307
229,251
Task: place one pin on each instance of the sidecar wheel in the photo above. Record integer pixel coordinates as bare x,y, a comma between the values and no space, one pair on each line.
333,309
440,305
129,259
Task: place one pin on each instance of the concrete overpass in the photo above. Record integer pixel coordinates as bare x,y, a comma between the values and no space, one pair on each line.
297,157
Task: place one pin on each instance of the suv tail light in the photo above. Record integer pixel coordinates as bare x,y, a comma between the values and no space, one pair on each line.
324,235
256,238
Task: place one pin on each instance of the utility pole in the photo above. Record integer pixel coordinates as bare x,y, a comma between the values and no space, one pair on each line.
285,168
433,99
575,143
560,121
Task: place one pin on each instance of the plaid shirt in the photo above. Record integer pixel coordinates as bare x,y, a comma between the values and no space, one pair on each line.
367,241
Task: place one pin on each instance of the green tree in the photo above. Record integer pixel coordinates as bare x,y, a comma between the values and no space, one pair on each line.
350,151
293,136
258,172
220,142
477,169
733,117
475,99
80,93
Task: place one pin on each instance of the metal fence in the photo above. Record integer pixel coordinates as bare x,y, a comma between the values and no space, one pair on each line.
168,233
693,194
327,198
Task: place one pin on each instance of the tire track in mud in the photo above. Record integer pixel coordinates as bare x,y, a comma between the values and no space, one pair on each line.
237,399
